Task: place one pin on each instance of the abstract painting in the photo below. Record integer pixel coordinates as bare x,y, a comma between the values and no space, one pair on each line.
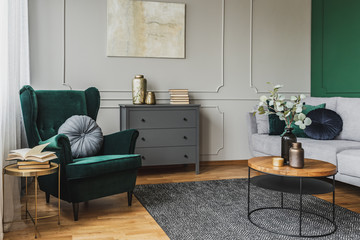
145,29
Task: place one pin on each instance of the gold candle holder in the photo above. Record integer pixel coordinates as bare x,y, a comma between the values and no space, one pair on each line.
278,162
150,98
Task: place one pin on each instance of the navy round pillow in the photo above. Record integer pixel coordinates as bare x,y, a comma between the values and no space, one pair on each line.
326,124
85,135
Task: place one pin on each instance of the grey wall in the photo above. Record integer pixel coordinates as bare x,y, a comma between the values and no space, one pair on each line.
232,50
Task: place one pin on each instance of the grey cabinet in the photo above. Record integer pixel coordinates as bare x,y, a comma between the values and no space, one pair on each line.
168,134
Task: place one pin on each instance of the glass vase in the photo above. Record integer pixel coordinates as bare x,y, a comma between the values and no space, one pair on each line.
296,156
287,139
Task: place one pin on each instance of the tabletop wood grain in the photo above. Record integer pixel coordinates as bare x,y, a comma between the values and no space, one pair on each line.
312,168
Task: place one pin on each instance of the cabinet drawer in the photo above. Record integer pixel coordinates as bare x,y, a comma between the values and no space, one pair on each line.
140,119
166,137
167,155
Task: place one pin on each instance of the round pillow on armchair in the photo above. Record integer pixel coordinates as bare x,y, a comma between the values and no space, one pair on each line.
326,124
85,135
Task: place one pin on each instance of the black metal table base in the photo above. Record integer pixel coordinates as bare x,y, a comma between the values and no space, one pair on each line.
334,227
300,211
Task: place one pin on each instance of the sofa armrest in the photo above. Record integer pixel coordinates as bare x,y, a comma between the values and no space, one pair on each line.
59,144
251,122
120,143
251,129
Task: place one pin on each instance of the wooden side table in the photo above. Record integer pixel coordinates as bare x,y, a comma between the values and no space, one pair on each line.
14,171
286,179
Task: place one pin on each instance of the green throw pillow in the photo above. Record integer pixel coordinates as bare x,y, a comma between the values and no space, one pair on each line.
306,109
276,126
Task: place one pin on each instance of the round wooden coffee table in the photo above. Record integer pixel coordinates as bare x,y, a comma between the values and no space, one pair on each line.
296,181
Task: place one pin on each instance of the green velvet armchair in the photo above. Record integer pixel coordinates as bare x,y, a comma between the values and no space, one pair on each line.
112,171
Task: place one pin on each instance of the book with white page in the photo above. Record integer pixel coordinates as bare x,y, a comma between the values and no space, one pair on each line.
34,154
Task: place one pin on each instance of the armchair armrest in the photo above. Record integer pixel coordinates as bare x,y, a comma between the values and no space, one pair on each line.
60,144
120,143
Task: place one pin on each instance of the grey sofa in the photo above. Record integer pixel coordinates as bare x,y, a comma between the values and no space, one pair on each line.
343,151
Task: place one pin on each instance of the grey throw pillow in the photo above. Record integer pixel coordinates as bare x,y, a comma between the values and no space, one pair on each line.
85,135
262,122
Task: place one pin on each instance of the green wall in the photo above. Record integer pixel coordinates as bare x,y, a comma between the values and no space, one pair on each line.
335,48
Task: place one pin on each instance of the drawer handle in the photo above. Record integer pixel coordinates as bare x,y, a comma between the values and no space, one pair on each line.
143,158
185,119
186,156
185,137
143,139
143,120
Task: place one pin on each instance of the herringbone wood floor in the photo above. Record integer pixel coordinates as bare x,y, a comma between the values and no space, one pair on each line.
110,217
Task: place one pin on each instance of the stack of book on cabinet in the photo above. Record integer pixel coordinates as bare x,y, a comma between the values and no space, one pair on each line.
32,158
179,96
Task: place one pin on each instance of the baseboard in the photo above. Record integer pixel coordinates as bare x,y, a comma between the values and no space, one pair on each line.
224,162
202,163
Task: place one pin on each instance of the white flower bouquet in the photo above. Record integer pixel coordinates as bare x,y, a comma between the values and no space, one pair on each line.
288,110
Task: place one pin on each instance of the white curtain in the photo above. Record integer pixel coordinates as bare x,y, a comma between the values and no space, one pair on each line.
14,73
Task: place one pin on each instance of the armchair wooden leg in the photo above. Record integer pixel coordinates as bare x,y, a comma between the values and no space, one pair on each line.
129,194
76,211
47,196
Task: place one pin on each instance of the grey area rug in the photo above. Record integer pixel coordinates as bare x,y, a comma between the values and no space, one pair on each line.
218,210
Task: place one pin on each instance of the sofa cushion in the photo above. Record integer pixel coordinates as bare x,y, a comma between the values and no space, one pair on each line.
331,102
271,124
306,109
347,108
100,165
348,162
326,124
325,150
267,144
276,126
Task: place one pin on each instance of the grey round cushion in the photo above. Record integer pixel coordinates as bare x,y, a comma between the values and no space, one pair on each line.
85,135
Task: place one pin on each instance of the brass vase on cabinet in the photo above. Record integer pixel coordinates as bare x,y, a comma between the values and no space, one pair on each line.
150,98
139,89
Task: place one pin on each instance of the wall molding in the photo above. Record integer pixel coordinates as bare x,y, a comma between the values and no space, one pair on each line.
64,47
318,39
251,81
192,99
221,147
222,75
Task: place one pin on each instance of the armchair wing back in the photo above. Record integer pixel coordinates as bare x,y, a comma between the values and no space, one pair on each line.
112,171
44,111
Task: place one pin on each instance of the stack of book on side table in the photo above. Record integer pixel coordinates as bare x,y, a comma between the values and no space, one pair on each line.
32,158
179,96
33,165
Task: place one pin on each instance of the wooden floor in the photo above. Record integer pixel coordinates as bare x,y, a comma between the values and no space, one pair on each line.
110,218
